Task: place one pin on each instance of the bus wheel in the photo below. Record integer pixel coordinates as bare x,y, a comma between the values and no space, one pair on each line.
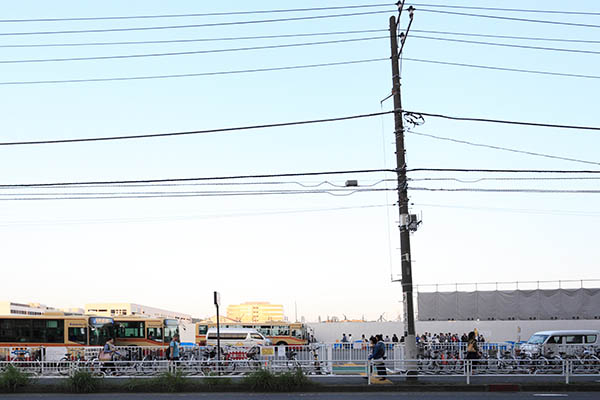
281,344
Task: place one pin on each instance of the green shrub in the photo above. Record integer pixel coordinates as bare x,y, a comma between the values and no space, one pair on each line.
11,379
83,382
265,381
170,382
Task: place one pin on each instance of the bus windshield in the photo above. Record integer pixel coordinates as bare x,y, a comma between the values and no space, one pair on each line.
171,328
537,339
101,329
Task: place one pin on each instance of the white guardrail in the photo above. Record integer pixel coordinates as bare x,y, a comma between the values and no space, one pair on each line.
337,359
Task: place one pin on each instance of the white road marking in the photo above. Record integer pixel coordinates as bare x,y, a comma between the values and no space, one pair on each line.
551,395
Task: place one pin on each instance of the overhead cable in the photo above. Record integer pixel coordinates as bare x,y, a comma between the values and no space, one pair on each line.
561,178
503,121
211,14
503,148
511,45
539,21
494,68
187,26
533,38
187,133
332,192
515,210
198,179
194,52
522,10
508,171
204,39
189,75
574,191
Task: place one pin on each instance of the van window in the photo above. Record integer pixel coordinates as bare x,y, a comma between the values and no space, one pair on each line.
555,340
574,339
256,336
590,339
537,339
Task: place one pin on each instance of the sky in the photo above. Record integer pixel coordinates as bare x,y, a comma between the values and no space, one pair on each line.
318,254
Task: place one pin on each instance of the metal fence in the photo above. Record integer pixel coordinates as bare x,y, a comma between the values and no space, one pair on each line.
372,370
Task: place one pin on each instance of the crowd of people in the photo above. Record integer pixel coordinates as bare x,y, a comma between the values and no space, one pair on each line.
425,338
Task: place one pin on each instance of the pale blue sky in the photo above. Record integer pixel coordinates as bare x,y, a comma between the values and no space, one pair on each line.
331,262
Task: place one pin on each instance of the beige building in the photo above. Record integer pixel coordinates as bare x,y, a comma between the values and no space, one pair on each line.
256,312
122,309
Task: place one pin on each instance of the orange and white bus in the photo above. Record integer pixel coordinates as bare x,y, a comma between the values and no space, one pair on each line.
279,332
144,331
51,330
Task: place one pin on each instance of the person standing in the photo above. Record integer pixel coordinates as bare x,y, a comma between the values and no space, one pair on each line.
174,348
378,355
472,348
394,338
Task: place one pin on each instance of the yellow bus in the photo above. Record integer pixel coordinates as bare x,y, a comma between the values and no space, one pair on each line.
279,332
54,330
144,331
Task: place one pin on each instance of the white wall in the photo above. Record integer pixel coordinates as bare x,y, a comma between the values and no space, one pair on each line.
493,331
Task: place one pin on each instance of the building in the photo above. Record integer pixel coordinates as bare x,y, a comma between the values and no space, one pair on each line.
11,308
256,312
123,309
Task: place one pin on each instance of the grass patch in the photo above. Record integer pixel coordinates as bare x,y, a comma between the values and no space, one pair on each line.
12,379
83,382
265,381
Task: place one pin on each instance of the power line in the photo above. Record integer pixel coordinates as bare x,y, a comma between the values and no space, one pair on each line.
293,67
502,121
216,73
198,179
507,36
236,23
217,130
562,178
516,210
108,196
194,52
537,11
217,39
504,148
490,67
579,191
508,171
212,14
511,45
540,21
189,217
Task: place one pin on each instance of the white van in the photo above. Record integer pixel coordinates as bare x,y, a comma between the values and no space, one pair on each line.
556,342
244,337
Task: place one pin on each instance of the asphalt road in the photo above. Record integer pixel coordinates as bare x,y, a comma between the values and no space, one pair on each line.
310,396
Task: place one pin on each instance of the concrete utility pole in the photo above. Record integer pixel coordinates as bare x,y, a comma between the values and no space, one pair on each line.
407,286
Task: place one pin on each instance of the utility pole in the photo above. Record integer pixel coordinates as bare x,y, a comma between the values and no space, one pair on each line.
407,286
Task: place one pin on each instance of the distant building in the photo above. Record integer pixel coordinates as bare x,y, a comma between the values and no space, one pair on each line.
11,308
256,312
123,309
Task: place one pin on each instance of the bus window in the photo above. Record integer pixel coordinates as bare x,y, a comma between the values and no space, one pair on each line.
130,329
202,329
171,328
77,335
154,334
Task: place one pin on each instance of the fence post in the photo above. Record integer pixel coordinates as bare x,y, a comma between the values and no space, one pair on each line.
468,371
567,366
329,348
369,368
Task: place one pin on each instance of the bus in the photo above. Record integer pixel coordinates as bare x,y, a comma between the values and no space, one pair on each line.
144,331
279,332
51,330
